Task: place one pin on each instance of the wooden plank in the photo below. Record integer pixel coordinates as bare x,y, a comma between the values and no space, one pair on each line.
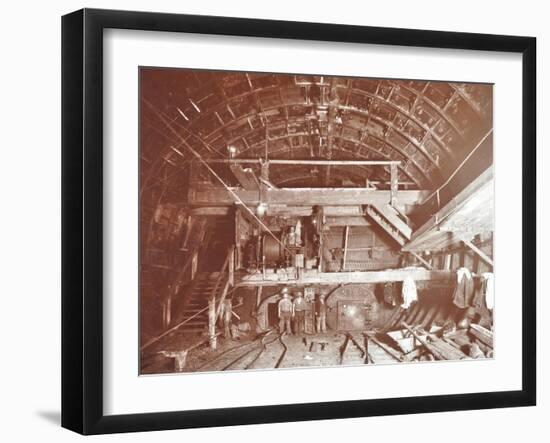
482,334
302,196
421,260
390,214
347,221
394,183
246,177
215,211
346,237
306,211
390,351
314,277
436,353
391,230
478,251
301,162
483,183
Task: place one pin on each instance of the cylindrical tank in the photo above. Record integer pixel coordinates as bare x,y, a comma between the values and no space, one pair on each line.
273,250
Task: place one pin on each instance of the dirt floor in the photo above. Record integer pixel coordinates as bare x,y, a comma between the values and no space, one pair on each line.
270,350
264,351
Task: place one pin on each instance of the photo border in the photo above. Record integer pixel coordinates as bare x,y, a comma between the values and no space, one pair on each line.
82,220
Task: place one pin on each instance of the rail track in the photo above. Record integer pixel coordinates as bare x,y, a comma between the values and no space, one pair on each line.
267,351
353,351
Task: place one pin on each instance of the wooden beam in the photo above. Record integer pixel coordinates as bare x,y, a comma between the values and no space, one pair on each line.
305,211
392,352
346,237
482,334
334,278
211,211
212,323
302,196
394,183
431,227
347,221
478,251
390,213
301,162
246,177
421,260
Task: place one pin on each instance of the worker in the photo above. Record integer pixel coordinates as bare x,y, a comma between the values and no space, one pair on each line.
299,310
291,236
284,310
227,314
321,313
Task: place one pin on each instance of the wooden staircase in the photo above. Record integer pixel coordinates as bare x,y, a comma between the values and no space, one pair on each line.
195,310
389,219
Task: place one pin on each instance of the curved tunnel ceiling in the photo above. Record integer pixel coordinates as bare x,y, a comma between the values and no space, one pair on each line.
431,127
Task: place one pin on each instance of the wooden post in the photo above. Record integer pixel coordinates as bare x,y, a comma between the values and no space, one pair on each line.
447,265
168,309
194,264
394,183
479,252
345,249
212,323
231,266
258,296
264,174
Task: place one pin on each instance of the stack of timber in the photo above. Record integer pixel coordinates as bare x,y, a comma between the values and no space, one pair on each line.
417,344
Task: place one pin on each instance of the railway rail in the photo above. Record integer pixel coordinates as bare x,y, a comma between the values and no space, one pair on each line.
267,351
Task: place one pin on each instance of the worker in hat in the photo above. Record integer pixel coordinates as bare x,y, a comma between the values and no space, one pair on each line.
285,312
321,313
299,308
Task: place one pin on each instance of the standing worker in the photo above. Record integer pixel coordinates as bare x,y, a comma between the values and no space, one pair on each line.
299,308
321,313
227,314
285,313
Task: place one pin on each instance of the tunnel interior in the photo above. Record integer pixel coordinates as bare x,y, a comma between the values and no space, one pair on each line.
374,195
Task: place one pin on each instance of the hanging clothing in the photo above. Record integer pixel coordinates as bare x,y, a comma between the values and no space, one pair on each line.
464,291
408,292
478,301
489,289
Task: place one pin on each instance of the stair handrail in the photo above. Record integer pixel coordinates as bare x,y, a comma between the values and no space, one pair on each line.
172,329
225,265
213,293
184,269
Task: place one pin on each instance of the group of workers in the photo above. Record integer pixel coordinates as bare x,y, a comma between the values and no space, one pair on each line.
290,311
295,310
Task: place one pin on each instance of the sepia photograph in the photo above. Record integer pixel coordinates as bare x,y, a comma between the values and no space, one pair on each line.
293,221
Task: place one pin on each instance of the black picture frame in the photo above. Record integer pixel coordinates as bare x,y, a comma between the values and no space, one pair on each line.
82,219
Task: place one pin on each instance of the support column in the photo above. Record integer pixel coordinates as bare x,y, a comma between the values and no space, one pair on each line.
345,248
212,323
194,264
394,183
231,266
